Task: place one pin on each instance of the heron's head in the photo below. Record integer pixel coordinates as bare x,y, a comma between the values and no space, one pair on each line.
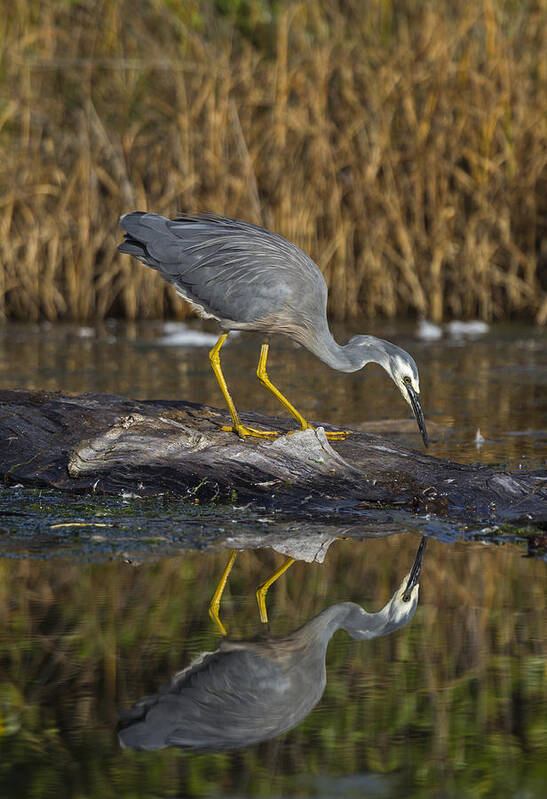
399,365
362,625
404,601
402,369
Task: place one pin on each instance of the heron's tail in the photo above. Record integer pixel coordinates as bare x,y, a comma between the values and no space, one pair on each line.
140,230
132,729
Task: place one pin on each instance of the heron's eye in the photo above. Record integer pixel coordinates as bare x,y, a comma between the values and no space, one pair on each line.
407,380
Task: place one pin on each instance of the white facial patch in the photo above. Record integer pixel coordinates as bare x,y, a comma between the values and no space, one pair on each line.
401,370
401,609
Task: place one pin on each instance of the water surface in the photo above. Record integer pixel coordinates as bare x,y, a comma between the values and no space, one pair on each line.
453,704
496,383
102,600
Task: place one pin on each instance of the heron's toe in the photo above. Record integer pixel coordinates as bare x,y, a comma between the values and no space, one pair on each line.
337,435
334,435
243,431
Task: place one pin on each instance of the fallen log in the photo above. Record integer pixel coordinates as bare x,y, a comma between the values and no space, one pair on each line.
112,444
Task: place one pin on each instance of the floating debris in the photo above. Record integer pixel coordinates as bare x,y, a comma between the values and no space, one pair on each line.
80,524
85,332
458,329
177,334
428,331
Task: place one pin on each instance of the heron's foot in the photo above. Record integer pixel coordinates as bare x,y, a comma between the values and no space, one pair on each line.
243,431
337,435
214,604
262,589
214,609
261,592
333,435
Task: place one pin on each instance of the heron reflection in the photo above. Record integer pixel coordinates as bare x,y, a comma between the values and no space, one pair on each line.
310,548
250,691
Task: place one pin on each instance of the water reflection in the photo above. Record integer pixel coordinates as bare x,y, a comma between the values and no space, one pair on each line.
246,692
310,547
451,705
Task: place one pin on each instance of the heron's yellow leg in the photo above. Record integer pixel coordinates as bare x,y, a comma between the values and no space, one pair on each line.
214,605
267,383
262,589
238,427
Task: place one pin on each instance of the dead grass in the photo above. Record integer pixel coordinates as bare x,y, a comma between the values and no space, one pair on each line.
404,148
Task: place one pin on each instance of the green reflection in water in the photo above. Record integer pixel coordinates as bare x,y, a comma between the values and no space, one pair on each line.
453,703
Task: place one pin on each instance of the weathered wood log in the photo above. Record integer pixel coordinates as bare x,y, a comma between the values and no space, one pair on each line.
111,444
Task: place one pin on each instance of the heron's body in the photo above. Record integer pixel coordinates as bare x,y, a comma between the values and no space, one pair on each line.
244,276
214,705
249,278
246,691
251,691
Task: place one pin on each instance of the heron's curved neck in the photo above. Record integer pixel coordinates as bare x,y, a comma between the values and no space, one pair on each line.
358,623
351,356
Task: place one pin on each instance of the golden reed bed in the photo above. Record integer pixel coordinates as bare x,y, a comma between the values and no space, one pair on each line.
403,145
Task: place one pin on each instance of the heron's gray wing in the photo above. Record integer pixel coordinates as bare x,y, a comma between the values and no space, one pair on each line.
231,699
233,269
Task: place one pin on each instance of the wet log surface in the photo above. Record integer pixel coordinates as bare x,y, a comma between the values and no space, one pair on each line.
112,444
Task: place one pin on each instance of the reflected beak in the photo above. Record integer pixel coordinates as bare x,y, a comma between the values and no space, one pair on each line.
418,413
415,571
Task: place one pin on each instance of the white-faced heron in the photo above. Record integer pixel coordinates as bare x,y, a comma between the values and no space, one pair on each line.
248,278
250,691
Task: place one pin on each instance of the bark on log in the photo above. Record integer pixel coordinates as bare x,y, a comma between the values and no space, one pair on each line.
111,444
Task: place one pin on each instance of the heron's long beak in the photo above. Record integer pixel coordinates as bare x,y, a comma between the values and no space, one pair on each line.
418,413
415,571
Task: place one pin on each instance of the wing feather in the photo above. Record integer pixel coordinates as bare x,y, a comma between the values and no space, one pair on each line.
232,269
226,699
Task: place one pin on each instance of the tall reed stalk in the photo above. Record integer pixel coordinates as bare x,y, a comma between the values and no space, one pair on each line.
403,145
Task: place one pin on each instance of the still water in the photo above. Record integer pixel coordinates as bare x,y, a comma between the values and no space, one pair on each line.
454,703
495,383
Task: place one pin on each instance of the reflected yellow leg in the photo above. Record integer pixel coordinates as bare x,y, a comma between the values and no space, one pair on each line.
262,589
266,382
214,605
238,427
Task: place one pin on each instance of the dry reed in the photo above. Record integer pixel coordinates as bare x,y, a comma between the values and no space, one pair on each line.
402,145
